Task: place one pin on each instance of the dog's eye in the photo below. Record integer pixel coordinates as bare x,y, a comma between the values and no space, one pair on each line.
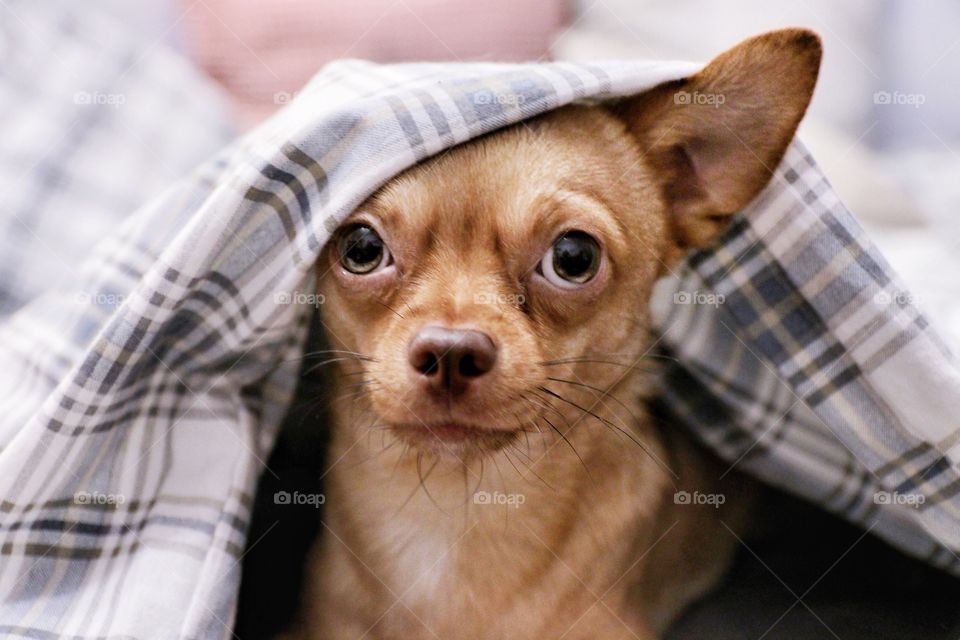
362,250
572,260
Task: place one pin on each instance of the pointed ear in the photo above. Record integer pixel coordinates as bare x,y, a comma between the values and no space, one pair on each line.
714,139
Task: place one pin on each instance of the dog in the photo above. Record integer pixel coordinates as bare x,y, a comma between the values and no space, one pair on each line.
495,471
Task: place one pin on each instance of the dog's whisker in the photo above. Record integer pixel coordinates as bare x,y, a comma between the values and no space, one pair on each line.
526,436
593,359
499,472
308,405
466,495
584,411
546,404
610,425
528,467
342,351
539,416
383,449
423,481
348,374
418,486
325,363
604,393
504,484
389,308
400,458
361,384
408,499
531,421
553,363
345,353
352,395
569,444
480,479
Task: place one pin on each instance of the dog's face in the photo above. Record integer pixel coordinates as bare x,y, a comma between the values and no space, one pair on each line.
477,281
463,277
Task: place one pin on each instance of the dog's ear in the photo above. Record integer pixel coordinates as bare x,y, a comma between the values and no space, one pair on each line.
715,138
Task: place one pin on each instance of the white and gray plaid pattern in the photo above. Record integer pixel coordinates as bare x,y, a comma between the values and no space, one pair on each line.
94,124
167,399
815,372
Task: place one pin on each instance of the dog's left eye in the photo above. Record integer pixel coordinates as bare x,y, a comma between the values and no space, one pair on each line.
362,250
572,260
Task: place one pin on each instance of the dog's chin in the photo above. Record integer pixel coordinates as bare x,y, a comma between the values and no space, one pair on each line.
454,438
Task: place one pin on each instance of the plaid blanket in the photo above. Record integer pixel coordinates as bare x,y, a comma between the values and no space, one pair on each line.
140,398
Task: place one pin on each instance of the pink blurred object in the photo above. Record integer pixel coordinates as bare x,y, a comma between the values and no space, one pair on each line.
261,52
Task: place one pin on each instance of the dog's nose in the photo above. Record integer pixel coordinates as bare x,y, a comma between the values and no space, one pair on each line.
449,359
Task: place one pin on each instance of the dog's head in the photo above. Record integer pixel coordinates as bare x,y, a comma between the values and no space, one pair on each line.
468,287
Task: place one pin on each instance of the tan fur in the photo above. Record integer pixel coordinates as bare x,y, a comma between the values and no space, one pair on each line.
598,548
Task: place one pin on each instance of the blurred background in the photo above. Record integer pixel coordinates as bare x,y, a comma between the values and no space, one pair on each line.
882,122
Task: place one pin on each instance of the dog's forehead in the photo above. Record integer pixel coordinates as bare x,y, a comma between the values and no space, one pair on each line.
496,185
464,195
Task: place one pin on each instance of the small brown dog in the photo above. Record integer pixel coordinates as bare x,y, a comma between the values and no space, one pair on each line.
495,474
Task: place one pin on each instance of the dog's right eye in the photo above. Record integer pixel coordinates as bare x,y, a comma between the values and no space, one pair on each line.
572,260
362,250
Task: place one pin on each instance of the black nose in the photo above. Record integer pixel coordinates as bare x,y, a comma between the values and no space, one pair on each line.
449,359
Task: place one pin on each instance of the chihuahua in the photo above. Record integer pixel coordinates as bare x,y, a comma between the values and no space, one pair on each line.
495,470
